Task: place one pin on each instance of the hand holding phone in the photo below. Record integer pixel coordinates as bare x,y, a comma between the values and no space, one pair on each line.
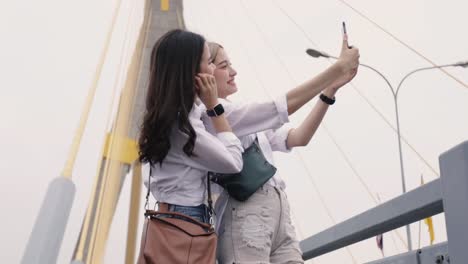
349,57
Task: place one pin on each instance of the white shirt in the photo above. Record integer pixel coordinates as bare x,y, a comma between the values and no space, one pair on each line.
249,118
181,179
264,121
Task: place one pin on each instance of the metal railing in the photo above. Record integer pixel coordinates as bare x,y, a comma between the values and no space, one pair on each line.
449,195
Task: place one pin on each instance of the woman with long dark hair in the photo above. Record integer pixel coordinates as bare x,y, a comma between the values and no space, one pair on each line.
173,139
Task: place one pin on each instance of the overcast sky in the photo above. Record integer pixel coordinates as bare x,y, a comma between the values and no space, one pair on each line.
49,51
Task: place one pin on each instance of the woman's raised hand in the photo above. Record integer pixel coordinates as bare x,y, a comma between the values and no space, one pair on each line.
206,88
348,60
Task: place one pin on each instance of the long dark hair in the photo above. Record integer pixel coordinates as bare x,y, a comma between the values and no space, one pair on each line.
175,60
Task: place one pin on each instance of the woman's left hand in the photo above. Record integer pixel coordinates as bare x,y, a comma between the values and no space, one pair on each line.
207,89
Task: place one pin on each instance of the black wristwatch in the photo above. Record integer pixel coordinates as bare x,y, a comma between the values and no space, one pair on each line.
327,99
216,111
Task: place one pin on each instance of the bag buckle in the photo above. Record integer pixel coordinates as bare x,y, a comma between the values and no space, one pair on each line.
211,218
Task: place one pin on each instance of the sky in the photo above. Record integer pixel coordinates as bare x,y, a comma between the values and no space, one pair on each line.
50,50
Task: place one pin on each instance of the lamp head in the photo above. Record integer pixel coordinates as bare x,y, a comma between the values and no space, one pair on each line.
316,53
463,64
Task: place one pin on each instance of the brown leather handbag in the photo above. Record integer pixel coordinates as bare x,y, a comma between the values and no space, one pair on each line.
175,238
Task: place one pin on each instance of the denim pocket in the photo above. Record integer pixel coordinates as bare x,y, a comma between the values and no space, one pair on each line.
197,212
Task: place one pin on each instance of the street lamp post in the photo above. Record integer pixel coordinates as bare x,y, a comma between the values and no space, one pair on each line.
318,54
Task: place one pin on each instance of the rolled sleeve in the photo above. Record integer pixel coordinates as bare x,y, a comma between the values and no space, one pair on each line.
278,138
218,153
228,138
250,118
281,104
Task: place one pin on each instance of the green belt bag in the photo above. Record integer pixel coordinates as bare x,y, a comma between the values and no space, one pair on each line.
255,172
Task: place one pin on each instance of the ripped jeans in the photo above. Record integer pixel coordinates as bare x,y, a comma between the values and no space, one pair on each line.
258,230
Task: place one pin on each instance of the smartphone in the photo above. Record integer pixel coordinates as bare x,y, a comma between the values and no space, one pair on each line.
345,32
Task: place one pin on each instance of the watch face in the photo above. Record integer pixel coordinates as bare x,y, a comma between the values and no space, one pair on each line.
216,111
219,108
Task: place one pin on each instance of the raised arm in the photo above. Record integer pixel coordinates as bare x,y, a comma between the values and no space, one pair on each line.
340,73
222,152
249,118
302,135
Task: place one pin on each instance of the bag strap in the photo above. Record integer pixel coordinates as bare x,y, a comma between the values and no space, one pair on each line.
148,189
210,200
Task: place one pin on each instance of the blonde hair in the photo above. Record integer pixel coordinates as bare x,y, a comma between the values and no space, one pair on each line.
214,49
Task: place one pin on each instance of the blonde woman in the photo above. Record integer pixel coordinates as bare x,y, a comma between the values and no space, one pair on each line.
259,230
